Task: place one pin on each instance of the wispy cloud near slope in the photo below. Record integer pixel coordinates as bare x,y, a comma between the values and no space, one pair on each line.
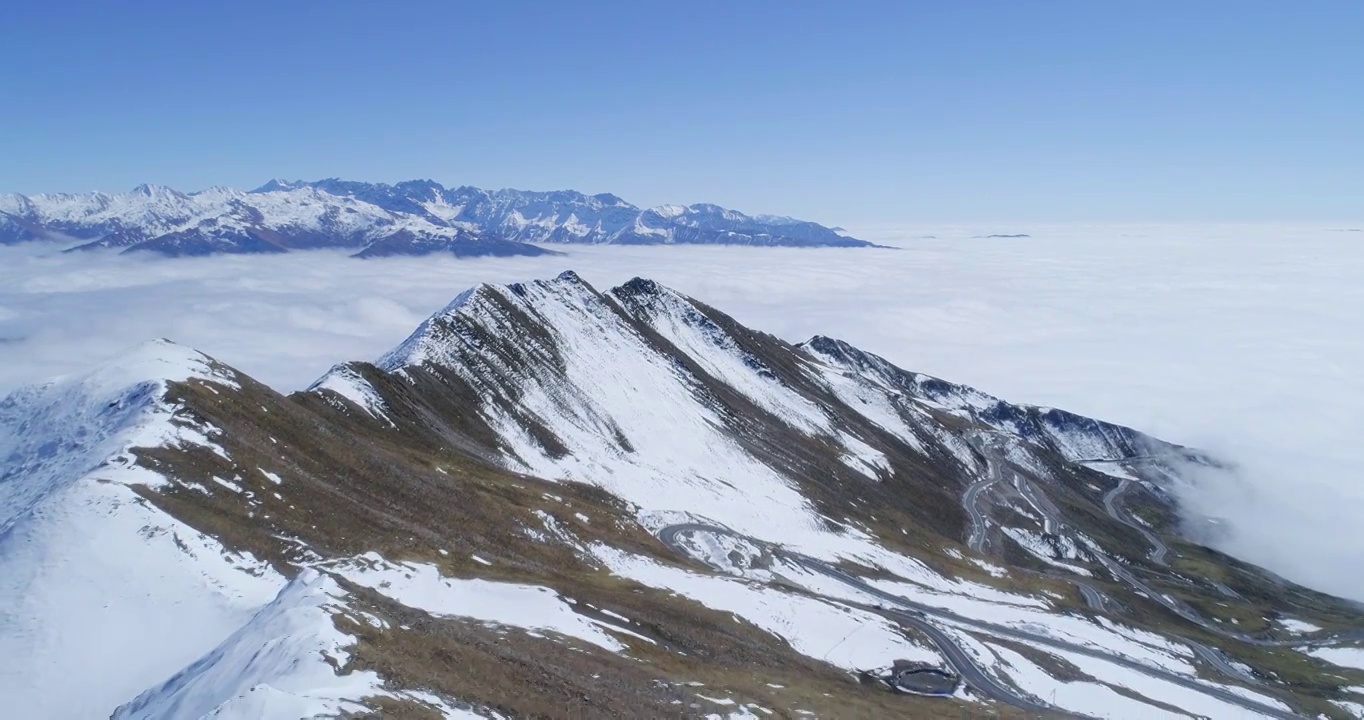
1245,341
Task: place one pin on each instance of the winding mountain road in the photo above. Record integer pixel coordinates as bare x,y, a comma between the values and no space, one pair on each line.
918,614
1112,503
971,501
1215,658
1053,522
1093,598
1112,500
1226,590
1051,517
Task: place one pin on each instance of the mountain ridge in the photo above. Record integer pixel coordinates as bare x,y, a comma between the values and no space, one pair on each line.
562,501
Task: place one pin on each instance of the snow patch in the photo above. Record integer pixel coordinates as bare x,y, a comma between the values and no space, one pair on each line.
422,587
845,637
346,382
1345,657
284,662
1296,625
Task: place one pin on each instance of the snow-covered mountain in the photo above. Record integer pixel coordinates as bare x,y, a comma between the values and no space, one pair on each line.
417,217
556,501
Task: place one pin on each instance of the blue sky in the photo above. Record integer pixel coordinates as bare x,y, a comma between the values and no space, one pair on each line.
846,113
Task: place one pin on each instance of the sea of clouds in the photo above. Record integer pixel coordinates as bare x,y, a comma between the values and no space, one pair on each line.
1246,341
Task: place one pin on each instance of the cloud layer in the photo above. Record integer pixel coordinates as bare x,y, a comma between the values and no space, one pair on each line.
1245,341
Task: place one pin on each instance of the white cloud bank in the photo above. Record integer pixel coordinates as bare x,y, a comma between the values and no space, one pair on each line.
1246,341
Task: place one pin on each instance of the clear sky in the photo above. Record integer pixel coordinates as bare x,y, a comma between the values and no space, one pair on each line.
843,112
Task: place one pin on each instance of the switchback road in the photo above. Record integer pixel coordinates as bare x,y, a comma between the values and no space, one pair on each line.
918,615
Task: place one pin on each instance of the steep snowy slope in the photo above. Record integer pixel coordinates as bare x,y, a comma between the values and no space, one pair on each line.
556,501
90,569
658,399
575,391
103,594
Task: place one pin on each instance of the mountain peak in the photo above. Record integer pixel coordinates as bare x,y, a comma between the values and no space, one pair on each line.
639,286
669,211
569,276
277,184
426,184
151,190
159,360
609,199
476,310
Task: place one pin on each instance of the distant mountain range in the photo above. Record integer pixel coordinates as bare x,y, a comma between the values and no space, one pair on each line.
417,217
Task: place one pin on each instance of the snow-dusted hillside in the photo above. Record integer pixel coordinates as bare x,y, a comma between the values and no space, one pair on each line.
624,503
410,218
101,593
661,400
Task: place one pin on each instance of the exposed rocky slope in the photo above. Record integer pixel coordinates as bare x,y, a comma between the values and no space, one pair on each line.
558,502
410,218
